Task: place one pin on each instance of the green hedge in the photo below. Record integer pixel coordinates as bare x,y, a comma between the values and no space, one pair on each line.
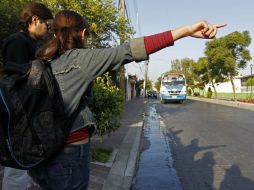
107,105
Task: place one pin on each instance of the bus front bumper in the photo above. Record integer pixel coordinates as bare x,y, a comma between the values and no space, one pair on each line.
173,97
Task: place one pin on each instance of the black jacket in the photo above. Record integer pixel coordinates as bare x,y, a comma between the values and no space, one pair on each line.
18,50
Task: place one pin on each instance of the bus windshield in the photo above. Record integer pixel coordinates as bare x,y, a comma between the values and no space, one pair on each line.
174,83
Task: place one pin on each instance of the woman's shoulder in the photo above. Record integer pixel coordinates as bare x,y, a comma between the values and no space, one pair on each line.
74,54
19,38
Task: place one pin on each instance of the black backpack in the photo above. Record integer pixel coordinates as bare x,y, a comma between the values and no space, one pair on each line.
33,125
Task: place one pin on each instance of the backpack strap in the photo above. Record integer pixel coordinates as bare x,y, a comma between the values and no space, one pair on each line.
54,90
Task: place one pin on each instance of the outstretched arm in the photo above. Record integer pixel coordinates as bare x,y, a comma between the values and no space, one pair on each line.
201,29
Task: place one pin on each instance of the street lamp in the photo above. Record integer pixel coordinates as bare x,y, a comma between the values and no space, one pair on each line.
251,66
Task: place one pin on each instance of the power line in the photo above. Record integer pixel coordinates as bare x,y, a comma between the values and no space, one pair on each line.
137,17
127,10
139,66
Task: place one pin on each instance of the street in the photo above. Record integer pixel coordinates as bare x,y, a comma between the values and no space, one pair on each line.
211,145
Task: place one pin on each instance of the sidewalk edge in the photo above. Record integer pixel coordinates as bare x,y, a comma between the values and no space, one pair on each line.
224,102
123,180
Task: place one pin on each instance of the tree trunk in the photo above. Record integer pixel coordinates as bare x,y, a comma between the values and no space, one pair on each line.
192,93
215,92
233,86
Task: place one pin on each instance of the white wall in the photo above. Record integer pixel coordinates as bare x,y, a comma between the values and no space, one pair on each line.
226,86
128,89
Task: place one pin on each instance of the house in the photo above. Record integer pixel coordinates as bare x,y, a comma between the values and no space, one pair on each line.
244,79
131,87
226,87
240,85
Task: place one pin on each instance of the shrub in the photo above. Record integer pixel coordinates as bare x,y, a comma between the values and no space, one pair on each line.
209,93
100,155
107,105
196,94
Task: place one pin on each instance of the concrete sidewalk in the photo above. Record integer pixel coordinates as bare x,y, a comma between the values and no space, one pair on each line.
119,171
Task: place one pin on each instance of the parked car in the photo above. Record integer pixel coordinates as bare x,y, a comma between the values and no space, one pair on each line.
152,94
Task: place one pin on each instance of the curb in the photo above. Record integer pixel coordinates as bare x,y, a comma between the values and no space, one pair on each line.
241,105
123,169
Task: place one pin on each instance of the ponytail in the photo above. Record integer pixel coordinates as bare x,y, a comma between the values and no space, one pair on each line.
65,38
48,51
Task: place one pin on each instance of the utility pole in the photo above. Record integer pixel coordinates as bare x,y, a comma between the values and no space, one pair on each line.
145,77
121,71
251,66
122,15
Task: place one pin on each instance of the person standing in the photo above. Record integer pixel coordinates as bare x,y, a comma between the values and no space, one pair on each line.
74,68
18,49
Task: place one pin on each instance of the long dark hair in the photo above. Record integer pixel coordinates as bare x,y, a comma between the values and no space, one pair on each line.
32,9
68,26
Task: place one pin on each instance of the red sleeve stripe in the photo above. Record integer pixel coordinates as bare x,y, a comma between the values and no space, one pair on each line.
167,38
170,37
156,45
157,42
151,42
163,39
78,131
75,140
78,135
146,45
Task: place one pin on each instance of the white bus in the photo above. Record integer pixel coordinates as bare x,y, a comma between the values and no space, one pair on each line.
173,87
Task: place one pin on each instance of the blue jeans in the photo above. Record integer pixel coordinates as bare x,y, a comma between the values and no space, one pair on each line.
16,179
68,171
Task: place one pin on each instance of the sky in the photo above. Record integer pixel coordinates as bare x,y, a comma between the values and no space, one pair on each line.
154,16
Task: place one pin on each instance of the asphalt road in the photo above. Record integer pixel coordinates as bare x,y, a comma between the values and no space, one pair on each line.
212,145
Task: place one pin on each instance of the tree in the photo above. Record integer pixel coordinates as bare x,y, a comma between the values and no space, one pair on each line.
158,84
106,25
9,14
228,54
200,69
207,73
184,66
148,84
249,83
176,66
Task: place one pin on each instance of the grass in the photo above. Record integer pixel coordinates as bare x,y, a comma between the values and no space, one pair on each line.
231,95
100,155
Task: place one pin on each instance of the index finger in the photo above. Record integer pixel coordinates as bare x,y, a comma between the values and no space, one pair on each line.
219,25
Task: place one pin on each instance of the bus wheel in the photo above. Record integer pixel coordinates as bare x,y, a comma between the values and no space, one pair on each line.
163,101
